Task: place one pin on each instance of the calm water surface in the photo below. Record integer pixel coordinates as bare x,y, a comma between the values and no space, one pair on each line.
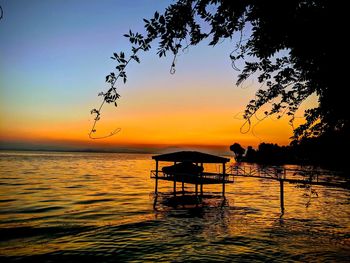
78,207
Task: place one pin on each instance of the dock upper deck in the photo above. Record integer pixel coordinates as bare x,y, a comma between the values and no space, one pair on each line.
190,156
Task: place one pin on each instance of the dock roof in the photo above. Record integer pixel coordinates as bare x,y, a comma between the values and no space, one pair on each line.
190,156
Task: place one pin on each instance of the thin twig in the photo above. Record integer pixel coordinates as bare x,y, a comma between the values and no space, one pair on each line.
93,130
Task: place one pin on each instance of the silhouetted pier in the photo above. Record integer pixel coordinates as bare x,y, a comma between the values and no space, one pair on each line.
309,177
188,168
280,174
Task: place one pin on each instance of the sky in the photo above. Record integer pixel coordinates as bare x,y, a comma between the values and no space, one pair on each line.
54,56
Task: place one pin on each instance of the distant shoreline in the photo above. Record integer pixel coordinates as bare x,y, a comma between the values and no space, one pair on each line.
130,151
78,151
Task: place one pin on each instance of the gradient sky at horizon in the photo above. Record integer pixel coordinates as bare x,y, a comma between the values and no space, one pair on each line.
54,57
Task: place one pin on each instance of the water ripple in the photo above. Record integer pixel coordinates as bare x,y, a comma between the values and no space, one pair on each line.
93,201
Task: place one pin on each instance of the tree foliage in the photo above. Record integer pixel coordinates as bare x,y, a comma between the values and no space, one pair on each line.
238,151
320,151
287,50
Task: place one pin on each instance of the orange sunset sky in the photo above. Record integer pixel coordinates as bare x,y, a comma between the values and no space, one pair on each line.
53,63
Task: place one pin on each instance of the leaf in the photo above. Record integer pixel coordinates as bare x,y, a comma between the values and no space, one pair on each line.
156,15
136,58
162,20
115,104
93,111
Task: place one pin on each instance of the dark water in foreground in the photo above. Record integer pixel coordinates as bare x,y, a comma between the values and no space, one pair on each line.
79,207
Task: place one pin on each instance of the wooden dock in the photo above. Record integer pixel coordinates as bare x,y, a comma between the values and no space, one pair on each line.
282,175
188,168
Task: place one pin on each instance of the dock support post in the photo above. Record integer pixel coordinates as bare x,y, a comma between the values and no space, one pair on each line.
156,184
201,189
183,186
223,179
282,196
174,185
196,188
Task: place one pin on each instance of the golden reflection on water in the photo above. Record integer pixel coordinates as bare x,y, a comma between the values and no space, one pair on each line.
81,203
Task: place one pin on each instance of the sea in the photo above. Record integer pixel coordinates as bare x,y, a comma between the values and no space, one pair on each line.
101,207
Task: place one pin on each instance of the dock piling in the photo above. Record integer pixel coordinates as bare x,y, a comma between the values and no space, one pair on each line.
223,178
282,195
156,184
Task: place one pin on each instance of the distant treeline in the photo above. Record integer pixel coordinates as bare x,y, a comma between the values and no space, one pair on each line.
328,151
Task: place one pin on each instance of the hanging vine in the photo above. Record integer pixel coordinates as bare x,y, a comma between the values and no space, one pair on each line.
111,96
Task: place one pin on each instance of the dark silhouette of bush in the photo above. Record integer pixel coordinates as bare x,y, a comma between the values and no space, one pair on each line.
238,151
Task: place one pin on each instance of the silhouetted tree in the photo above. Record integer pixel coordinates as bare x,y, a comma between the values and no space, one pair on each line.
269,153
238,151
323,151
250,155
286,49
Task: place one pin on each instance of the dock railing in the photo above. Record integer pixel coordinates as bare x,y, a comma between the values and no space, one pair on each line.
272,172
204,175
291,175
